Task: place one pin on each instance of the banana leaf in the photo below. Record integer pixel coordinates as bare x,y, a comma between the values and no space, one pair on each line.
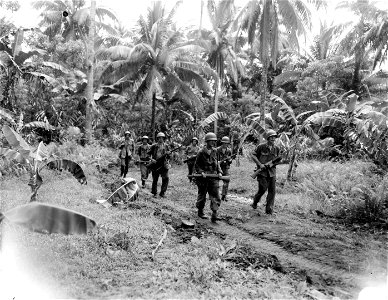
68,165
39,124
45,218
125,193
214,116
10,154
17,142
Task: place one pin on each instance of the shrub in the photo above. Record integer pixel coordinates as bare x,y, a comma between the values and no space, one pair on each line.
352,190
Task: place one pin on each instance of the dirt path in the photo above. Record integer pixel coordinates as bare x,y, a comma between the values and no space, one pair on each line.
318,251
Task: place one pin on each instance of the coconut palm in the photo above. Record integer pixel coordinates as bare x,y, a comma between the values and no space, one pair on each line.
69,17
377,37
219,45
362,33
262,19
160,62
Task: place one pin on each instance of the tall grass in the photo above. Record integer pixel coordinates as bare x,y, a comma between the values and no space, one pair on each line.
354,189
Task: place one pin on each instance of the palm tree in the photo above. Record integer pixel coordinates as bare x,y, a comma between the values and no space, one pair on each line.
262,19
369,28
70,18
219,45
160,62
377,37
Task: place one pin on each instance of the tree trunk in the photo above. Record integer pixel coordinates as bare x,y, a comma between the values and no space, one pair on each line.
153,113
292,164
263,91
216,95
200,21
356,81
90,62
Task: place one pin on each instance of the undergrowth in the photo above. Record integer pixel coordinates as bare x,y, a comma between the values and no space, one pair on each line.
354,190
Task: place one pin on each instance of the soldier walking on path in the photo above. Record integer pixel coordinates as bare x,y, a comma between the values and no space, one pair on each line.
263,156
144,158
160,156
126,150
191,154
207,163
224,155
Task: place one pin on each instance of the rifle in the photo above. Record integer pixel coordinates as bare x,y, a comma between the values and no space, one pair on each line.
190,158
274,161
225,178
233,156
157,164
142,161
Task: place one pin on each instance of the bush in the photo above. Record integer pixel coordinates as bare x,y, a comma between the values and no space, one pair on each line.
353,190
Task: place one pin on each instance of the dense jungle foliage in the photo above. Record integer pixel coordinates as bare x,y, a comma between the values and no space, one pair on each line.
82,77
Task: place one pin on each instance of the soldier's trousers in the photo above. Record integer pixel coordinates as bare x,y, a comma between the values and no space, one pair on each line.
125,166
266,183
190,165
163,172
211,187
225,184
143,171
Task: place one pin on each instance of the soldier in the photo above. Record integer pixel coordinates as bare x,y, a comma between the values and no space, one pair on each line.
144,158
224,155
206,163
126,150
263,156
191,154
160,156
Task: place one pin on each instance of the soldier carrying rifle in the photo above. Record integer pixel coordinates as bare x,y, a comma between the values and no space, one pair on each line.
225,158
266,156
160,153
144,159
191,154
208,174
126,151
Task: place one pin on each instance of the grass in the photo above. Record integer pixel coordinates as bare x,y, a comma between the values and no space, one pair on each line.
352,189
115,260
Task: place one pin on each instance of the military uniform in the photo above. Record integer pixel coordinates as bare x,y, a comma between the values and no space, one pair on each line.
267,176
156,151
143,152
223,154
191,153
126,150
206,162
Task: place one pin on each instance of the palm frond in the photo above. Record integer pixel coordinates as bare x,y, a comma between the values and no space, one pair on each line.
184,92
189,76
102,12
146,85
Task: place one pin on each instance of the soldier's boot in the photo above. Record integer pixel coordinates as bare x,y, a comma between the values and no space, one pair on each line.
201,214
143,184
215,217
223,198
